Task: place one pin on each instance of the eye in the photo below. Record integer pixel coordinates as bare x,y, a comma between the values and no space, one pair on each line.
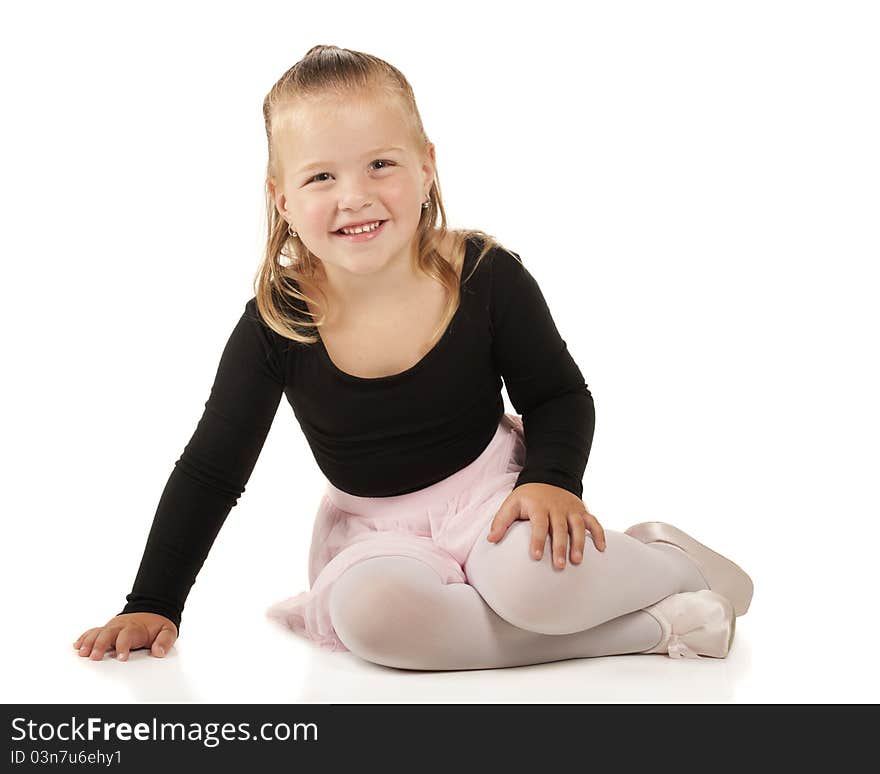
377,161
383,161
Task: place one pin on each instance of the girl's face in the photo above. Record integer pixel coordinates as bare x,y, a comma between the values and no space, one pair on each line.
351,162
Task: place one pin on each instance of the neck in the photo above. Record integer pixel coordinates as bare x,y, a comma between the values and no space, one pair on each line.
387,288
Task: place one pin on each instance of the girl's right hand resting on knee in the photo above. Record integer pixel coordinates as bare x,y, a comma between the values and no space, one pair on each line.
126,632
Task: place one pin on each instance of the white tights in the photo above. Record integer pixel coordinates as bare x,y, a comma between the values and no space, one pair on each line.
514,610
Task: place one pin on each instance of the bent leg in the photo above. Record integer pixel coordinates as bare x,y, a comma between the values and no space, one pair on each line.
395,611
531,594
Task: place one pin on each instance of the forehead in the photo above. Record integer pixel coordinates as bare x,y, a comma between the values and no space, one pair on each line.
328,128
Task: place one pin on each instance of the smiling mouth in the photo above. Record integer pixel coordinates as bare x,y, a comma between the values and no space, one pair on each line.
340,232
363,236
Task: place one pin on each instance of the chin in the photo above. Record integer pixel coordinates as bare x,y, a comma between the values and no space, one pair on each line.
368,261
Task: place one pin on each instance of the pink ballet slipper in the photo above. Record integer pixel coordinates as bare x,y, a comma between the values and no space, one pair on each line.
694,623
722,575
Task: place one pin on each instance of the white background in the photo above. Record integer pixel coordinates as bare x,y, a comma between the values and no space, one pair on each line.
693,184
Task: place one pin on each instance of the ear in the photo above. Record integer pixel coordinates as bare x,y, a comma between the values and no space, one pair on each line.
278,196
429,165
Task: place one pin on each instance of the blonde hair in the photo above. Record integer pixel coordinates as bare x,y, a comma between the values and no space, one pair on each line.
340,72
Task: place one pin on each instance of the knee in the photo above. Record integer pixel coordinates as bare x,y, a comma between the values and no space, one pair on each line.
528,593
375,600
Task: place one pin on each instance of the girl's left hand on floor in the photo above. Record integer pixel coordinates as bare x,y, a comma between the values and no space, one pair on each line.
549,508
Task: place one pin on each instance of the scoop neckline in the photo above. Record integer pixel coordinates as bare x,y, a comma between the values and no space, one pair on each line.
421,362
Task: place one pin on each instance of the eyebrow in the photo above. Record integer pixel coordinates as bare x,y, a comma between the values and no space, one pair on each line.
316,164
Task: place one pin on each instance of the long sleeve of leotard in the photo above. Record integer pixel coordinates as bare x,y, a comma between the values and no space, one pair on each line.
213,469
543,381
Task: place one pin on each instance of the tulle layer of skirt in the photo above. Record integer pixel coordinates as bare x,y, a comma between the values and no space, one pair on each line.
438,525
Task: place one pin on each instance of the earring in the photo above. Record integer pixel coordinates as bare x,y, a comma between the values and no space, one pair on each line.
289,231
426,204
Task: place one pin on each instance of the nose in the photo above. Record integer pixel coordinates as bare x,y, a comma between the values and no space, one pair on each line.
354,202
354,196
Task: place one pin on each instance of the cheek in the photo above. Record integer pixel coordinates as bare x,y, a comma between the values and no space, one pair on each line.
397,195
400,195
317,211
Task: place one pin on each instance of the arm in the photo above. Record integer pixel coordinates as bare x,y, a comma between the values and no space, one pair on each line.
213,469
543,381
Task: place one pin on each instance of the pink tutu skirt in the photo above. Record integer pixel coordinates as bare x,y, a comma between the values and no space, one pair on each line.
438,524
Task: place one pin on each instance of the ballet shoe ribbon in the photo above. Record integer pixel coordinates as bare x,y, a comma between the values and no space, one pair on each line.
678,648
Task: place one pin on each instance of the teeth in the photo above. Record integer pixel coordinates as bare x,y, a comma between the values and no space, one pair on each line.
362,229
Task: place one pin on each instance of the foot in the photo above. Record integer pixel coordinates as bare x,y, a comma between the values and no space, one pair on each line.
694,624
722,575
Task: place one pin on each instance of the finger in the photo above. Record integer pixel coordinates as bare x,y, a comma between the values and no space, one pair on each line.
85,648
123,643
78,642
578,536
540,527
163,642
596,531
104,640
130,638
560,538
507,514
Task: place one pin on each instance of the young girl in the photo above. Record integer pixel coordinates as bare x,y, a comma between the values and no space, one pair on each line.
390,336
